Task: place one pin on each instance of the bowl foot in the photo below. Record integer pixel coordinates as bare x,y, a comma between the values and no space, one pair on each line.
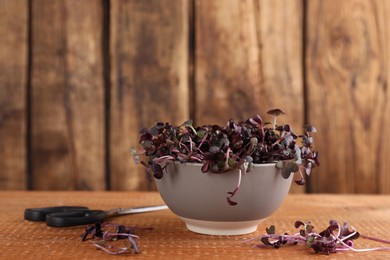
221,227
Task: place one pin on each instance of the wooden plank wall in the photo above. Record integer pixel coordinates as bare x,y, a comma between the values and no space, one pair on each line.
67,95
78,79
347,61
149,78
13,81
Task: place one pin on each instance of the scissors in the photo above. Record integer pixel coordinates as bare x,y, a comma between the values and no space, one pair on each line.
66,216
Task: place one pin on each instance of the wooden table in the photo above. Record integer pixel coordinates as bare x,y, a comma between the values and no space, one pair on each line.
169,239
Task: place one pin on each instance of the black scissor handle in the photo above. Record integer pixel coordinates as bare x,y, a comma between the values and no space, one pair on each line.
75,218
39,214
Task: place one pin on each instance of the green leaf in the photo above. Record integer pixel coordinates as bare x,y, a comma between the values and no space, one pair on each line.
279,165
232,163
201,133
189,122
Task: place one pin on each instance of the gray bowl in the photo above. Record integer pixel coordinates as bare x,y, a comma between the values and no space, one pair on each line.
200,198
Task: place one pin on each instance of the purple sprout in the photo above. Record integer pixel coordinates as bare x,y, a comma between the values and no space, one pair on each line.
335,238
105,239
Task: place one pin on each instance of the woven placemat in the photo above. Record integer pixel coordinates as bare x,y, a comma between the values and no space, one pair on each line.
169,238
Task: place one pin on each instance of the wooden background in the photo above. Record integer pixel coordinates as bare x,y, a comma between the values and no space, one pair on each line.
78,79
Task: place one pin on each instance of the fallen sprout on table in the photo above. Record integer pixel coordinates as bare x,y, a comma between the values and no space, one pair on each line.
333,239
105,235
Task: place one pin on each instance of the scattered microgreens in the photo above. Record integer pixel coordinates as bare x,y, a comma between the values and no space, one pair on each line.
238,145
333,239
105,239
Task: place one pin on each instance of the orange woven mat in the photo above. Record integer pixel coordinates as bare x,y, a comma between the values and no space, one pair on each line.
169,238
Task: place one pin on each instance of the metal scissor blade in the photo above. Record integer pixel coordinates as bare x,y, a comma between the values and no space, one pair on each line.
136,210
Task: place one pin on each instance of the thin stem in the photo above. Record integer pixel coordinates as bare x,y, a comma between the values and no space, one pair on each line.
119,250
163,158
190,143
375,239
363,249
203,139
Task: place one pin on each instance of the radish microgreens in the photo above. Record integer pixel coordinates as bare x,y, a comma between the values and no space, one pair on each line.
105,235
333,239
237,145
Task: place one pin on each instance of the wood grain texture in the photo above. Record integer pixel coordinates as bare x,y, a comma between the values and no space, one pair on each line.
248,59
149,78
13,82
348,98
67,95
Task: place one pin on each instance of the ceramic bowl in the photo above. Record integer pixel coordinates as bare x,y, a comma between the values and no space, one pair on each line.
199,199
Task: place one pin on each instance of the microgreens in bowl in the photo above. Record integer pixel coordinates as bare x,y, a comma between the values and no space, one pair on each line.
237,145
333,239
